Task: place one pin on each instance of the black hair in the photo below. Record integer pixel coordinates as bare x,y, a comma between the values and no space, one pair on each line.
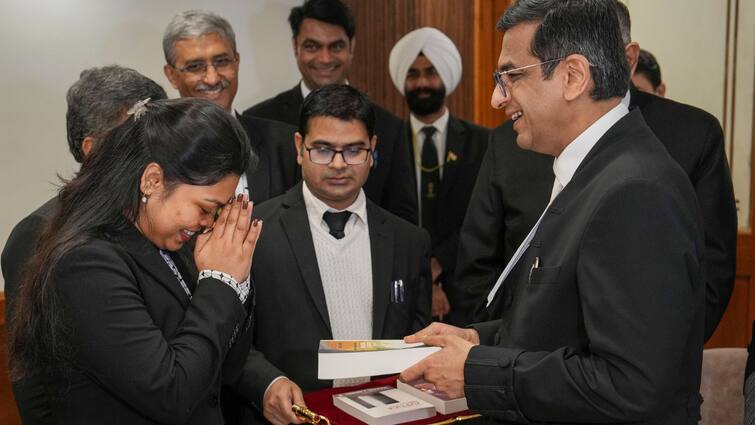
194,141
333,12
586,27
648,66
625,21
99,99
339,101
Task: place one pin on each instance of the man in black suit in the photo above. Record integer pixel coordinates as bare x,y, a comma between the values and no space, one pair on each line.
97,102
604,297
513,186
323,42
202,61
331,264
647,73
425,67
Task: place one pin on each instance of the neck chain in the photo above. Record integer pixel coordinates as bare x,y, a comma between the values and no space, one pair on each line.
418,158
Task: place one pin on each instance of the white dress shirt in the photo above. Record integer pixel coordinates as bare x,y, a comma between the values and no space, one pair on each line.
439,140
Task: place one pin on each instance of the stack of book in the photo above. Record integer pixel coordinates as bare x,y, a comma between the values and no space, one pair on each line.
383,406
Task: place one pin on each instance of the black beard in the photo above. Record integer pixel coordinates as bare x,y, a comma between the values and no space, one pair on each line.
428,105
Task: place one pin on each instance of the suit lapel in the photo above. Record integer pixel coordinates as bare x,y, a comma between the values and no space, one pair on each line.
291,105
381,248
148,257
413,163
454,156
636,100
296,226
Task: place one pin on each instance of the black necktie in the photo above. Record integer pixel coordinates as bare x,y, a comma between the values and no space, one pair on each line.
336,222
430,178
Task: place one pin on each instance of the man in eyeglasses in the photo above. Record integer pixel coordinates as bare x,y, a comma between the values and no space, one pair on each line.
331,264
603,301
501,212
202,61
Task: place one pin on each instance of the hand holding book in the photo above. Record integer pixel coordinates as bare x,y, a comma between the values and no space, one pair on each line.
437,328
445,368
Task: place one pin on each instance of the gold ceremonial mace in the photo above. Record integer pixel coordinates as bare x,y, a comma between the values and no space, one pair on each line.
310,416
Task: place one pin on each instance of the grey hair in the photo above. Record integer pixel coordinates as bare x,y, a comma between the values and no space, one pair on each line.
98,100
586,27
194,23
625,22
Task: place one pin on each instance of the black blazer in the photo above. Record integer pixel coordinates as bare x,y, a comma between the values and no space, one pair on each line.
144,353
30,394
20,246
386,185
514,186
603,318
467,142
276,171
291,316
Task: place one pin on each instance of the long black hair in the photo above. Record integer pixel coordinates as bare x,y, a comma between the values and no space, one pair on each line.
193,140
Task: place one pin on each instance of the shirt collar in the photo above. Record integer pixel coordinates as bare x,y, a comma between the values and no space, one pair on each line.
316,208
566,164
439,124
305,91
626,99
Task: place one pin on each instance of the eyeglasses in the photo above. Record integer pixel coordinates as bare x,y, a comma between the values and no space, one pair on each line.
352,155
200,68
500,81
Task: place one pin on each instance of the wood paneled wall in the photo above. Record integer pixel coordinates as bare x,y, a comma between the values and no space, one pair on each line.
735,329
487,50
469,23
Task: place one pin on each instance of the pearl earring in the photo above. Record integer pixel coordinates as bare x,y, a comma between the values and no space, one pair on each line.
144,199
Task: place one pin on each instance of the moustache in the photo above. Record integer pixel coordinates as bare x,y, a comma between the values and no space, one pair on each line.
425,105
222,84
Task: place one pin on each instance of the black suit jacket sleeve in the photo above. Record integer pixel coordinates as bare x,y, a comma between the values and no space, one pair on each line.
628,371
480,247
445,251
694,139
423,312
255,377
715,193
119,345
18,250
394,194
469,142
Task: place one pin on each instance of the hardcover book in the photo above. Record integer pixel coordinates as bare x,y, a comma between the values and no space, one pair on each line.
356,358
383,406
427,391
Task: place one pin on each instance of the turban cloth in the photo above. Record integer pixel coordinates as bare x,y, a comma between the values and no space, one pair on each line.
437,48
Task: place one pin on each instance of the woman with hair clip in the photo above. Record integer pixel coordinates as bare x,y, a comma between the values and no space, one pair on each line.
120,327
